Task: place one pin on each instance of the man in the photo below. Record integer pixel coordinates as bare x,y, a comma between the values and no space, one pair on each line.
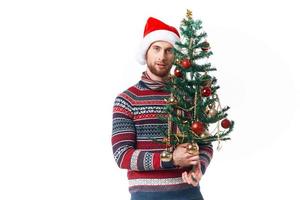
136,125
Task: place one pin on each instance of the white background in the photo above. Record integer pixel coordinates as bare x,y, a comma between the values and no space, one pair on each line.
63,62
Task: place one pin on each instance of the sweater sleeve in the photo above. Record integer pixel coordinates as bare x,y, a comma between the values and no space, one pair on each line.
206,154
124,142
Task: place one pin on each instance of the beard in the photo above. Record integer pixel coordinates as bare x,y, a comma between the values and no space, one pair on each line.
163,72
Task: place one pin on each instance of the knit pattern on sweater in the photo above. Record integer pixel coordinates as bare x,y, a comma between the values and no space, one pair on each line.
135,125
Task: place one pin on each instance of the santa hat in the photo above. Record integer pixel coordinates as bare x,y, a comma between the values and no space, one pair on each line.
155,30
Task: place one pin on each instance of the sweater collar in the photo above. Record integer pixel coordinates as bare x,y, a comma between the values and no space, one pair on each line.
152,84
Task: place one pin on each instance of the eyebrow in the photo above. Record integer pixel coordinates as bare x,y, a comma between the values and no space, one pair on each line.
168,48
156,46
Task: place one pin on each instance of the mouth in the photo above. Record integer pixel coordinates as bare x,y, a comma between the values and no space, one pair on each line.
161,65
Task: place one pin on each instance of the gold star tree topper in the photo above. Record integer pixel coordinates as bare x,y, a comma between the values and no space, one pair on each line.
189,14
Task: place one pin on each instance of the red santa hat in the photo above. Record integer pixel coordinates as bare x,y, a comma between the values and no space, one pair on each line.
156,30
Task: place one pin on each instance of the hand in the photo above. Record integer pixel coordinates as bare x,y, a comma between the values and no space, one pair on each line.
182,158
194,176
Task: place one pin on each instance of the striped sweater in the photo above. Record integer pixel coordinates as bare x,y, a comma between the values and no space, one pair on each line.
135,124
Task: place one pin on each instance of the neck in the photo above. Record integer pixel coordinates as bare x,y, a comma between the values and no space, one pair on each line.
155,77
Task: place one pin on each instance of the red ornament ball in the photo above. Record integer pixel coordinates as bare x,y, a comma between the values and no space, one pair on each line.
185,63
225,123
206,91
177,73
197,127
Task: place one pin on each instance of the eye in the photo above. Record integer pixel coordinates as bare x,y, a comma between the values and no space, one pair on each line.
156,48
169,51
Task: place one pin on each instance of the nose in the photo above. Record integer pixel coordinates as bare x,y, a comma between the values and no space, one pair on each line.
161,56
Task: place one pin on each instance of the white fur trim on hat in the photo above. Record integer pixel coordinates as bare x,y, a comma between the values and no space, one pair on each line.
159,35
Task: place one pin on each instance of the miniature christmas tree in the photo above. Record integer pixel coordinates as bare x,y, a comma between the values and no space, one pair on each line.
194,106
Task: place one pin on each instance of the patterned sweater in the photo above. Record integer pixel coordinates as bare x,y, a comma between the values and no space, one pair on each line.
135,124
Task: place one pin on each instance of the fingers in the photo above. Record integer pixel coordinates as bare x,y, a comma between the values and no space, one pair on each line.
184,177
188,161
190,178
193,160
182,158
190,156
193,176
195,179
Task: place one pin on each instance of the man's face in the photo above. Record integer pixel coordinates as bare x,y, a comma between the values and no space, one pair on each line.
159,58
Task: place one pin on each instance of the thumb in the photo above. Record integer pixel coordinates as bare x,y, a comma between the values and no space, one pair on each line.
197,168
